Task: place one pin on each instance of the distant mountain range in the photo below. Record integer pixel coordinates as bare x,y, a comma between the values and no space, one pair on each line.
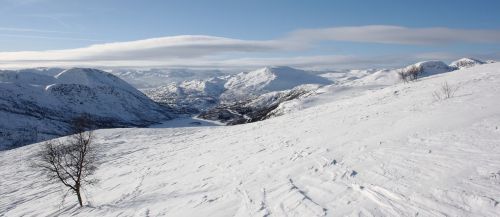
151,78
252,96
202,95
37,104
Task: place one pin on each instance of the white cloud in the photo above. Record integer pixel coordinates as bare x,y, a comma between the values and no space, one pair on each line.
199,50
396,35
185,46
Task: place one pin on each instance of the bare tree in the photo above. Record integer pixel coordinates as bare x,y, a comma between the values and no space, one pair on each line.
445,92
403,76
410,74
71,162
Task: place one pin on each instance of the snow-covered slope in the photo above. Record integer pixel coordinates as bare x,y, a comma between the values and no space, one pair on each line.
92,78
432,67
268,79
189,96
391,76
395,151
152,78
202,95
352,83
35,106
258,108
53,71
344,76
26,77
465,63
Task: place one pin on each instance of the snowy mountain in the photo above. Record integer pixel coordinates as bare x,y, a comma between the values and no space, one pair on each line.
466,63
43,71
34,106
153,78
356,82
391,151
256,109
189,96
431,67
344,76
392,76
251,84
202,95
269,92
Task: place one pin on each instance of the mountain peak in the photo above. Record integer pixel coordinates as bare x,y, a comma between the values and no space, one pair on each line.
50,103
273,78
92,78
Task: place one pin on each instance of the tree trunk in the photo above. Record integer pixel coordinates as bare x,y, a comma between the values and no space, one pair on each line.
79,197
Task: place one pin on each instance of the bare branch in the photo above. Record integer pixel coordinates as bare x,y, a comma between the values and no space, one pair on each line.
73,161
411,73
446,91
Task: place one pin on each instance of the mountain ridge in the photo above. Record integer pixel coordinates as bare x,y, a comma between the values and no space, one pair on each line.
46,105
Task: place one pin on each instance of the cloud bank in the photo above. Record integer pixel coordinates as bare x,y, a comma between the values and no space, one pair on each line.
201,50
396,35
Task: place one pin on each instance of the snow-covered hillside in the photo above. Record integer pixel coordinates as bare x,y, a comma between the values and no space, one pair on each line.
153,78
250,84
352,83
465,63
203,95
35,106
393,151
344,76
189,96
391,76
258,108
43,71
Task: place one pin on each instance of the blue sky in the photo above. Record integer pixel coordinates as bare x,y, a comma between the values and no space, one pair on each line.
66,25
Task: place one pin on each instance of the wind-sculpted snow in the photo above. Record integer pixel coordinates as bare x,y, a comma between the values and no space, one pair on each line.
389,151
35,106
